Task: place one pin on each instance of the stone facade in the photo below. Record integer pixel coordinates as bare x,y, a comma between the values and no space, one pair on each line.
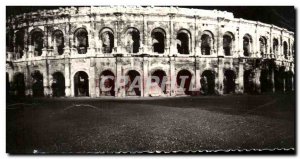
65,52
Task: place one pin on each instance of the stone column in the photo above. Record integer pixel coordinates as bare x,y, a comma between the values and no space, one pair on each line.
145,76
220,76
270,49
46,79
220,51
255,44
45,42
272,80
172,36
258,54
91,37
120,92
67,78
72,41
119,32
92,86
116,34
238,50
197,51
145,37
97,87
197,75
67,38
257,80
27,44
28,80
241,77
172,76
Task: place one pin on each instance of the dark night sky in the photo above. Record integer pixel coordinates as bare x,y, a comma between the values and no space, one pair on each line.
282,16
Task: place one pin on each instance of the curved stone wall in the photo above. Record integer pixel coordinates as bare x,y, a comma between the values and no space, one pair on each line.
66,52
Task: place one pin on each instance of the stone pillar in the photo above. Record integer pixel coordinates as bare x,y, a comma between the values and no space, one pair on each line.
197,75
257,80
270,49
144,79
119,32
172,76
241,77
238,50
28,80
120,92
72,41
97,87
220,76
92,72
67,78
116,34
67,38
46,79
45,42
172,36
197,37
220,51
91,38
145,37
255,50
272,80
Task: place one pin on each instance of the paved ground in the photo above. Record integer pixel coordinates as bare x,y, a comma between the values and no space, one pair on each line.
156,124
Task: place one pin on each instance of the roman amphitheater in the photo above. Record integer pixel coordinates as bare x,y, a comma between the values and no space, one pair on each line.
68,51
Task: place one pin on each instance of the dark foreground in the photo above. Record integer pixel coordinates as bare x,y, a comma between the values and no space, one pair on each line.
162,124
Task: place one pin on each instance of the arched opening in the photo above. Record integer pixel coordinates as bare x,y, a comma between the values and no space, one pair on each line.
19,84
207,82
81,40
133,40
247,43
37,86
206,43
58,85
158,40
289,81
37,42
249,81
81,84
185,85
229,82
183,42
107,83
265,81
58,40
275,46
279,77
160,86
107,40
19,44
285,50
228,39
133,87
263,45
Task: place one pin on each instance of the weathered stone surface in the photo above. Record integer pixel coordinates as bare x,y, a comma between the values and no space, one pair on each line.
205,44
